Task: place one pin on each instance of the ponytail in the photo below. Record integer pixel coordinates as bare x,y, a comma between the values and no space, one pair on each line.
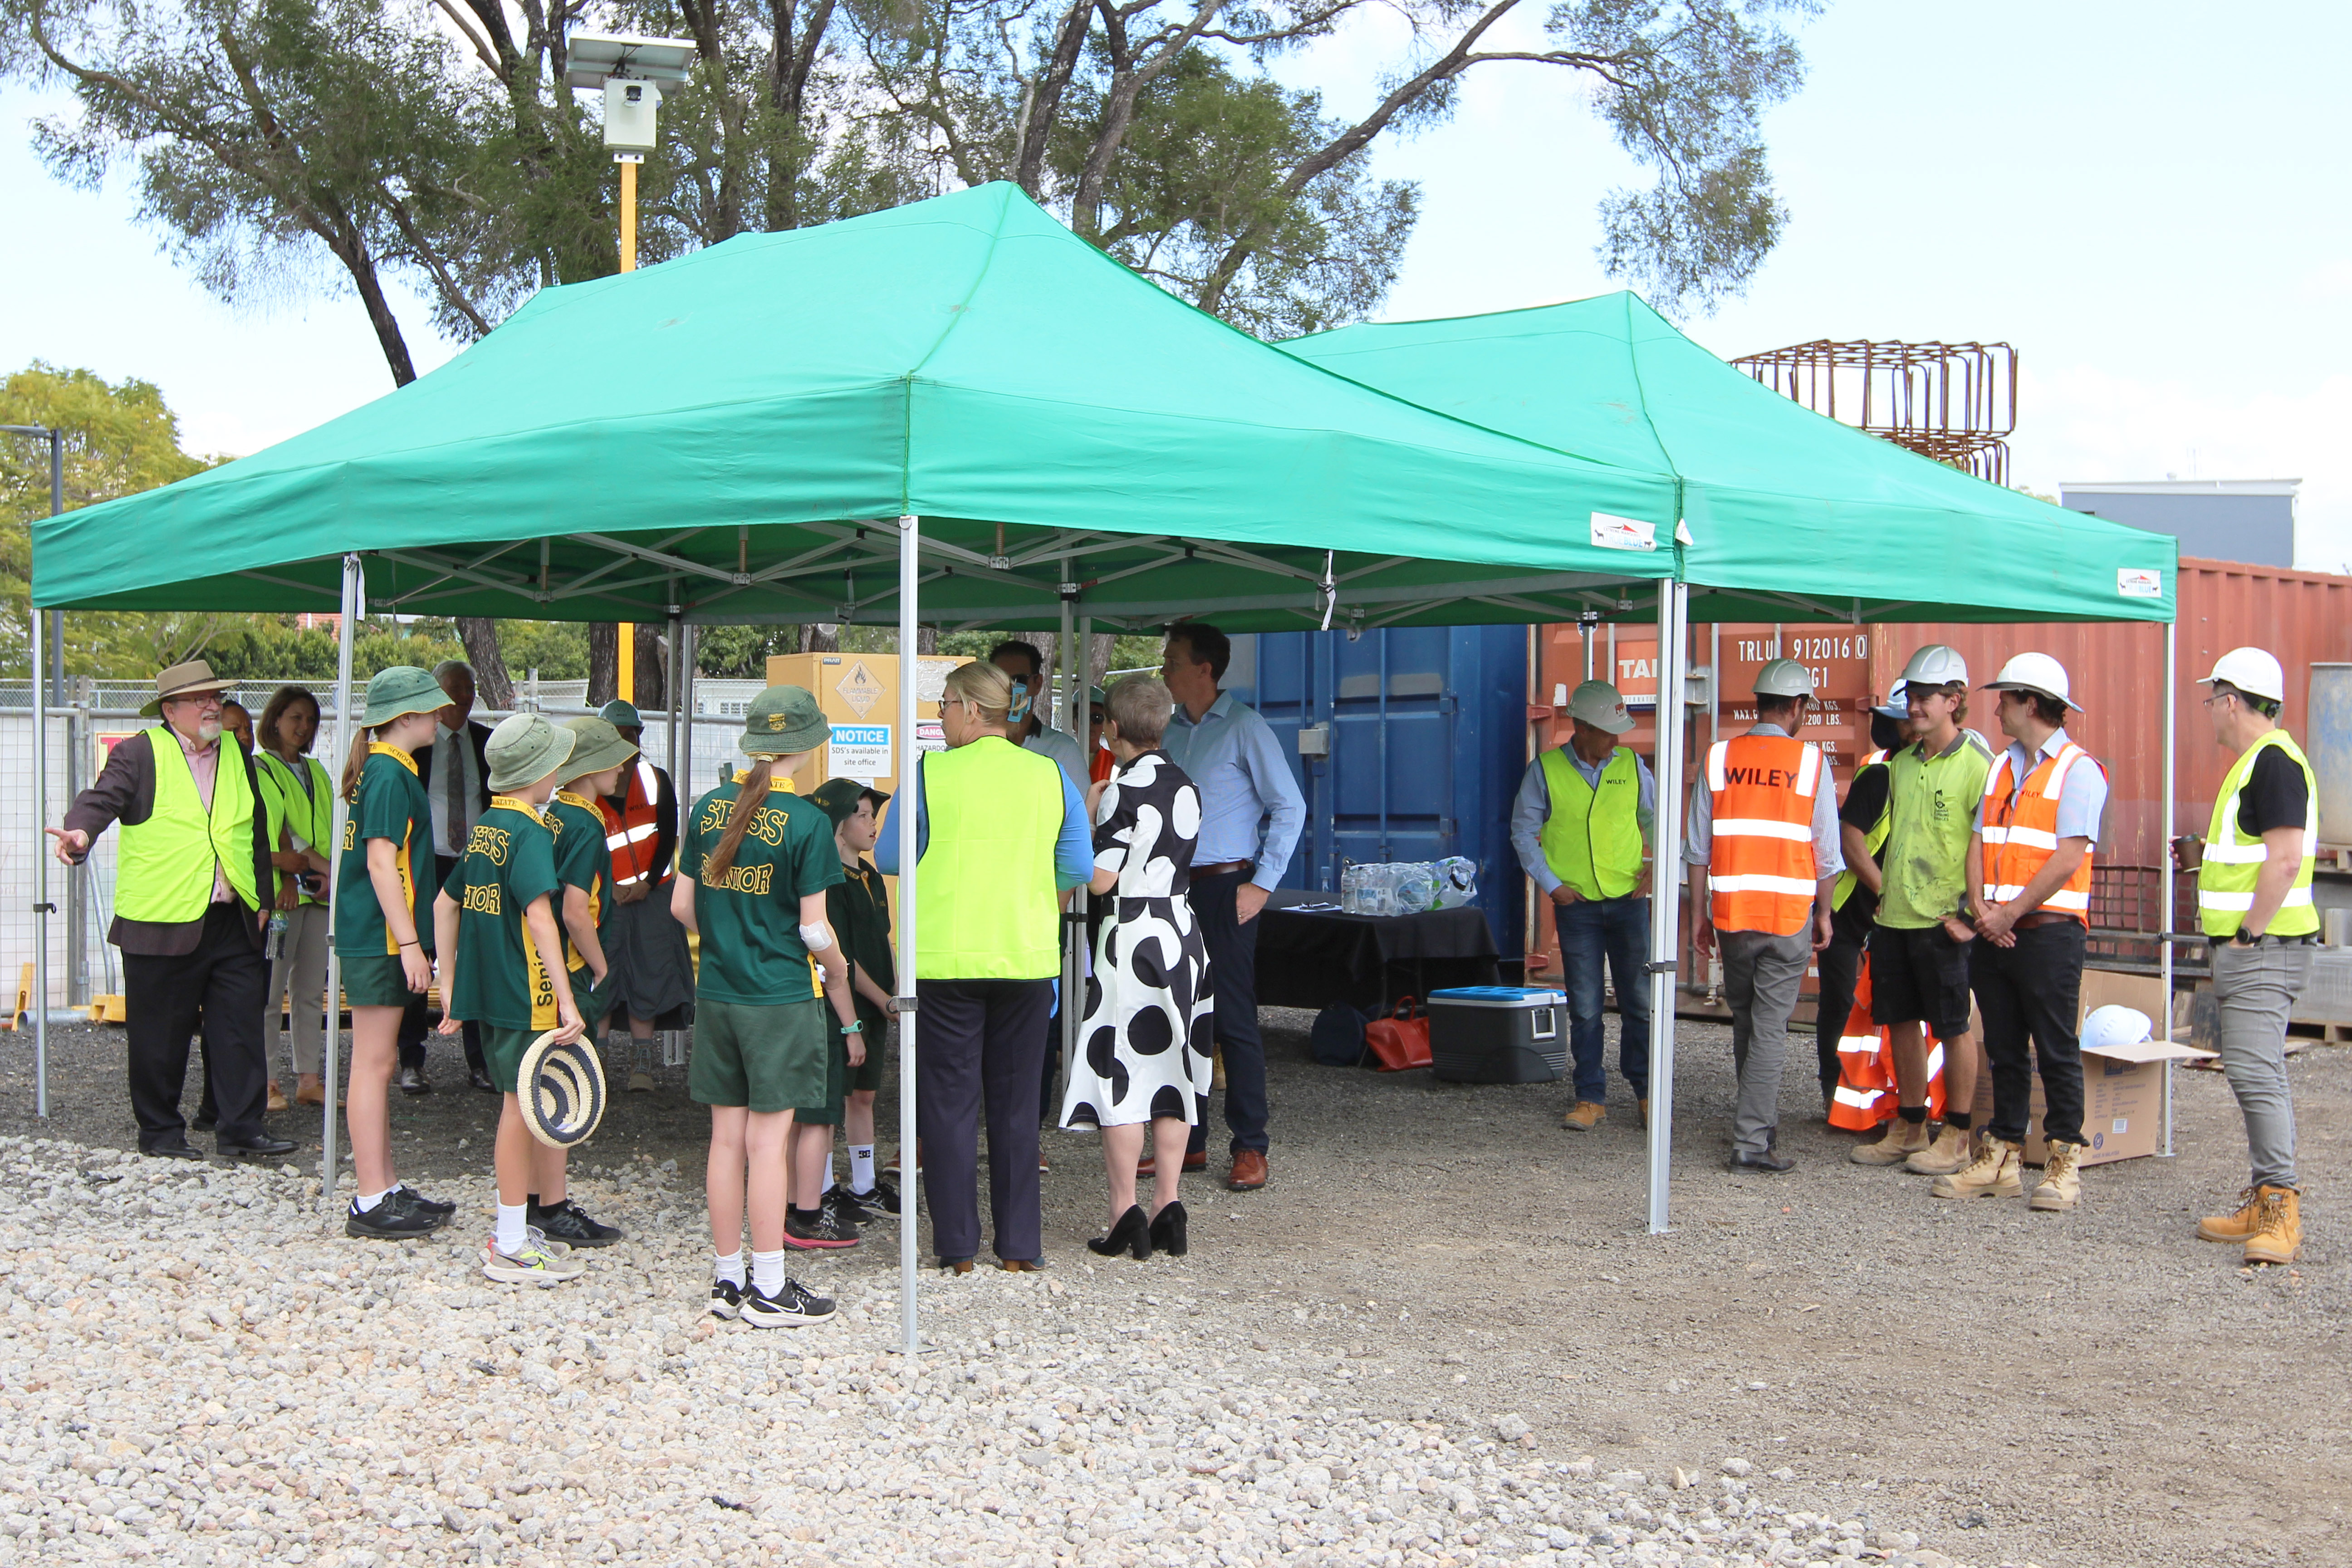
355,763
748,801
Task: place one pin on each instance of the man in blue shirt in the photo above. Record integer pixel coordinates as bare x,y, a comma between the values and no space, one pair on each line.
1251,813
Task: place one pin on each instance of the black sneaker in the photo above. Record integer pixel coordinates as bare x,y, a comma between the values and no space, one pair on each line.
828,1230
726,1299
422,1203
566,1222
839,1200
882,1203
793,1305
389,1220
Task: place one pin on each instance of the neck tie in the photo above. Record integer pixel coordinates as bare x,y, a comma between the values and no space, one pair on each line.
454,786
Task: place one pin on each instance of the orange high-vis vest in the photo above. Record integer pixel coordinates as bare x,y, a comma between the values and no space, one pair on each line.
1760,871
633,832
2021,832
1866,1093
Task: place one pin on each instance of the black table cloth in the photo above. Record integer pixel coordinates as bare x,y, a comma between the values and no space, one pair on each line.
1311,958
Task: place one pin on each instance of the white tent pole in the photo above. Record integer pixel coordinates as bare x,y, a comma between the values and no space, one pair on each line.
676,681
1665,890
909,675
354,607
1069,671
681,773
2164,862
40,997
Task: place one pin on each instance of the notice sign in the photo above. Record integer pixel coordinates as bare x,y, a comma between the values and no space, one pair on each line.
860,752
861,691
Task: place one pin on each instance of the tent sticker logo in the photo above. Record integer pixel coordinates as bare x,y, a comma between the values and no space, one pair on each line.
2134,584
1612,533
859,689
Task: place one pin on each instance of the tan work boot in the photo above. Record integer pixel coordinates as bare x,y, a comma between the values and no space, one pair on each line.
2278,1228
1901,1139
1945,1154
1644,1106
1991,1172
2234,1227
2060,1187
1584,1116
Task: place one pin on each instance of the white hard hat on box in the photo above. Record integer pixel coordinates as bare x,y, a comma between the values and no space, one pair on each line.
2034,672
2251,672
2116,1026
1784,678
1935,664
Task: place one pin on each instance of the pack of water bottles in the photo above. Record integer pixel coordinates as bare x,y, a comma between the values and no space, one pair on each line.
1408,887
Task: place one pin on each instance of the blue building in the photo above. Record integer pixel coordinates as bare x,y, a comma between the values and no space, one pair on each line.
2222,520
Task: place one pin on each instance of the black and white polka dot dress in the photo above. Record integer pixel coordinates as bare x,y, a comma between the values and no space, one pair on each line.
1145,1043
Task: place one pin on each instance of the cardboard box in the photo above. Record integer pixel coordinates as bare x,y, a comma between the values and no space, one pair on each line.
2123,1086
859,692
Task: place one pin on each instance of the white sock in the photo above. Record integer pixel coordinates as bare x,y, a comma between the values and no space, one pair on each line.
513,1229
861,1168
829,1182
731,1267
365,1201
767,1272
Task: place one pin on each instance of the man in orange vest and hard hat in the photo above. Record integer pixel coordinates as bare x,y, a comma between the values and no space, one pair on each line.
2030,867
1763,851
2253,903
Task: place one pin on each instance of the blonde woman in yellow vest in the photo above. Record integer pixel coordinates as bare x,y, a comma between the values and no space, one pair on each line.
1582,826
1001,834
190,865
2253,902
301,803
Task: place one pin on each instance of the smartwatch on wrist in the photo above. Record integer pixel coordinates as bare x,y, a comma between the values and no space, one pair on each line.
2242,937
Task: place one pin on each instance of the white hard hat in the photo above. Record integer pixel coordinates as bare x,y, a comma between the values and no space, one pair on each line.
2034,672
1784,678
2115,1026
1896,706
1598,704
2251,672
1935,664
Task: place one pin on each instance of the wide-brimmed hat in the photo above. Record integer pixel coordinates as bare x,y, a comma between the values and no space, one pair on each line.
783,720
619,713
190,680
560,1090
525,749
595,746
398,690
839,798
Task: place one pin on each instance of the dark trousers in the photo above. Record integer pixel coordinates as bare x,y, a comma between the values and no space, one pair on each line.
1233,977
2034,989
225,979
1615,932
1841,968
412,1021
981,1042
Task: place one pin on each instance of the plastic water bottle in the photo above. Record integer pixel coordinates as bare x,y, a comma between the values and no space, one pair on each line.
1457,881
1417,886
1377,896
1351,890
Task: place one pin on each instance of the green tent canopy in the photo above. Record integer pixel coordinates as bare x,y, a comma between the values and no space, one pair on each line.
716,438
1784,510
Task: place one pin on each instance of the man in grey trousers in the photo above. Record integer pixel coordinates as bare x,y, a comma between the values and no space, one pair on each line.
1764,857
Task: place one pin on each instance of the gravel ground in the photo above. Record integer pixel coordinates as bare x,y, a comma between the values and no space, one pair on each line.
1440,1334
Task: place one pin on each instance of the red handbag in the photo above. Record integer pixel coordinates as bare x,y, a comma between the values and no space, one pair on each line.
1400,1041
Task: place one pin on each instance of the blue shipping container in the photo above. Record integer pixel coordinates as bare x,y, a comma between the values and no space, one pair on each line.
1421,735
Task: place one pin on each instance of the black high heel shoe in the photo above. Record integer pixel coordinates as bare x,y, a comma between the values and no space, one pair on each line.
1167,1230
1132,1234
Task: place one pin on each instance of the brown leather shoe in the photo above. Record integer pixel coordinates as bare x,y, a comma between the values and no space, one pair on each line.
1021,1266
955,1266
1248,1174
311,1091
276,1096
1150,1166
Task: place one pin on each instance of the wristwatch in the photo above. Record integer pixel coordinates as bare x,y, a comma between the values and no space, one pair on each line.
855,1026
2242,937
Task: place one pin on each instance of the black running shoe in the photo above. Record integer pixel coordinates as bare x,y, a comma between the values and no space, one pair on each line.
424,1204
882,1203
827,1231
789,1307
566,1222
841,1201
726,1299
389,1220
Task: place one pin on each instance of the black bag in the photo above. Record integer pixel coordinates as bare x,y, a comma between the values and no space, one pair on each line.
1338,1037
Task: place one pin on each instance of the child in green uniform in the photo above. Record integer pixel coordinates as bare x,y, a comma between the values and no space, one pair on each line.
860,908
502,967
754,862
380,934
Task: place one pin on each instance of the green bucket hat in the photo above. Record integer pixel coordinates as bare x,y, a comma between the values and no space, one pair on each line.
618,713
595,746
525,749
839,798
782,722
398,690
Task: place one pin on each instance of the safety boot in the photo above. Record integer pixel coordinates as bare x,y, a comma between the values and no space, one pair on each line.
2234,1227
1991,1172
1945,1154
2060,1187
1584,1116
2278,1228
1901,1139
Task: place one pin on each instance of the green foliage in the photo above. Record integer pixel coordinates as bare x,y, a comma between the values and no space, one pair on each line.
741,653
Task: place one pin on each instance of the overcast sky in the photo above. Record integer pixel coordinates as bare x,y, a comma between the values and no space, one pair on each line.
2146,197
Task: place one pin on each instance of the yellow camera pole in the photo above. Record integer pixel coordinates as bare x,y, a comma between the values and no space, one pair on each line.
624,678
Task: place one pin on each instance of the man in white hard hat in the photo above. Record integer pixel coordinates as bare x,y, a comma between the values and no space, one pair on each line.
1918,943
1763,852
1582,825
2029,881
2253,902
1863,822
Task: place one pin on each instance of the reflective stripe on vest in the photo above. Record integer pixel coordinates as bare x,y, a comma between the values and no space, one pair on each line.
2021,833
164,867
311,816
1593,837
2233,861
1874,841
631,833
1760,873
1866,1093
985,903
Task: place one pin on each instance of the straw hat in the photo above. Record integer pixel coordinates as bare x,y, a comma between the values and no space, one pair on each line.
562,1090
525,749
190,680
